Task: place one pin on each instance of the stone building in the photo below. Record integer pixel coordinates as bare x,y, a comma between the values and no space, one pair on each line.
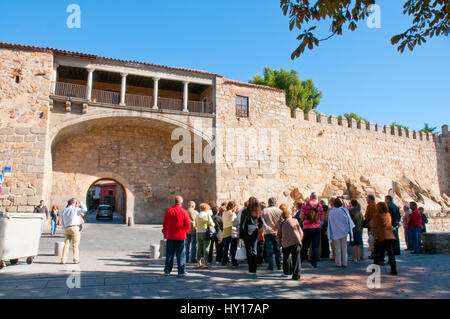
69,119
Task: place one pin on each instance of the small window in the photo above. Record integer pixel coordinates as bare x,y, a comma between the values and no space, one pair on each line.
241,106
111,193
17,79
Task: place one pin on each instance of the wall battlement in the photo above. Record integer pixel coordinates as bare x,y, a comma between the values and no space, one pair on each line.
387,130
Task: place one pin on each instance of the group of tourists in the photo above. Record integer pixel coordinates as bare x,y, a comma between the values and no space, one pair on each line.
312,230
258,233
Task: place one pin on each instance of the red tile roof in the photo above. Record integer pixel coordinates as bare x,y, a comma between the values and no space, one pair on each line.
258,86
93,56
24,47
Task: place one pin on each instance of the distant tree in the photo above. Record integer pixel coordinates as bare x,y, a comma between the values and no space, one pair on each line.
428,129
350,116
430,18
399,126
299,94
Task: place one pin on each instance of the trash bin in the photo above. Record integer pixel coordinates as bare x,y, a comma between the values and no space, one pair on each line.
20,234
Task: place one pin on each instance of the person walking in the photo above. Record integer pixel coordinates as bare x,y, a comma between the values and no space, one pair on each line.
191,237
42,209
371,210
289,237
396,219
340,225
357,218
70,222
228,217
312,217
175,227
54,215
202,223
272,218
415,226
384,237
408,238
250,224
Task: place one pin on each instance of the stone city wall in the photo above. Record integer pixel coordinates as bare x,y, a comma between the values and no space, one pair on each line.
25,78
319,153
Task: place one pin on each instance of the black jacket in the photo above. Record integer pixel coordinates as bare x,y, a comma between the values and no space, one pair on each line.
395,214
243,227
218,225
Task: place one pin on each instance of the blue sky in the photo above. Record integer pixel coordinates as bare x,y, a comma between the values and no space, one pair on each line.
358,72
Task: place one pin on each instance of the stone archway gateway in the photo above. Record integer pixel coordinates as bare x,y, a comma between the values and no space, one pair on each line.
108,191
134,152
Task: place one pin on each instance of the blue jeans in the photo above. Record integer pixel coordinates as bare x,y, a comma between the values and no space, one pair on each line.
54,224
250,242
409,236
416,239
272,248
311,236
175,247
191,247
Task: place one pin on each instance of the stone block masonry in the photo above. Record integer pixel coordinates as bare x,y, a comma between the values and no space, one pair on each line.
319,153
24,105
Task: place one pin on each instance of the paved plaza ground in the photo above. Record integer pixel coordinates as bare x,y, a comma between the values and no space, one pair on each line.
115,264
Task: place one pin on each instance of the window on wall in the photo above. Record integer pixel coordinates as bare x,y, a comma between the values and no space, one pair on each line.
241,106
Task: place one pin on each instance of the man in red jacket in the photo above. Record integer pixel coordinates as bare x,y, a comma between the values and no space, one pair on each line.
175,226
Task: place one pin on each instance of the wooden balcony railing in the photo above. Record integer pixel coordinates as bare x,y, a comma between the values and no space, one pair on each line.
139,100
170,104
70,90
109,97
199,107
105,97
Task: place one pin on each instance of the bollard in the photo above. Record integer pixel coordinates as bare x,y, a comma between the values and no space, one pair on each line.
154,252
130,221
162,248
59,245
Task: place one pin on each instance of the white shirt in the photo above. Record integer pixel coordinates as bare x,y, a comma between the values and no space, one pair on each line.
70,216
340,224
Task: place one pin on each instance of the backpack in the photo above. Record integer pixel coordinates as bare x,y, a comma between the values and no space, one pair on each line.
313,215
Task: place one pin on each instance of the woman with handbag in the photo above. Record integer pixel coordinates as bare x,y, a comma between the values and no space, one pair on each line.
250,224
204,226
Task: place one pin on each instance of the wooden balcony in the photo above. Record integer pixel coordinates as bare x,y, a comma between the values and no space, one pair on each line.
107,97
139,100
69,90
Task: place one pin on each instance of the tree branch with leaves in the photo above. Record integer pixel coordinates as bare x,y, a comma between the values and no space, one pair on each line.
431,18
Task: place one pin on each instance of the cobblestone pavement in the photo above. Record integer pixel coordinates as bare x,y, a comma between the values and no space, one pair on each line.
115,264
